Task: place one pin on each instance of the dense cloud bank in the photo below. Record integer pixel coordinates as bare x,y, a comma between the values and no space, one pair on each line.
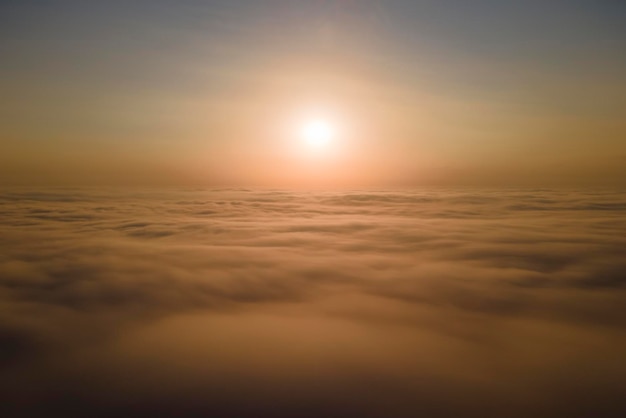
244,303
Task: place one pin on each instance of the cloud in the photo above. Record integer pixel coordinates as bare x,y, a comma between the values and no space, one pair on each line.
274,303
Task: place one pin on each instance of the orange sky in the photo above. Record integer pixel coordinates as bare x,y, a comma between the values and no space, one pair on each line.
178,100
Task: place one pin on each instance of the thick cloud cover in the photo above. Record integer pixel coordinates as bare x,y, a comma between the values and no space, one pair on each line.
241,303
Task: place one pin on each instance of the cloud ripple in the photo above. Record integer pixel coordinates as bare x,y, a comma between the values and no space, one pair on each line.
273,303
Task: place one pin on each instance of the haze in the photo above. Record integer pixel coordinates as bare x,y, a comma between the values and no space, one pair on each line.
431,93
312,208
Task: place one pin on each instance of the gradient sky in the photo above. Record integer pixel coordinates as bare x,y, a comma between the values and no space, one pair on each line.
207,92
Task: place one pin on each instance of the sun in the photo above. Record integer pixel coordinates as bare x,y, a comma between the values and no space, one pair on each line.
317,132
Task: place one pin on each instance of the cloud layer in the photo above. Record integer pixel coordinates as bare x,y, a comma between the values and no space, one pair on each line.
270,303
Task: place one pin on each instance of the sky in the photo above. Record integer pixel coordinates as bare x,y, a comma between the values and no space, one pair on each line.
212,93
298,209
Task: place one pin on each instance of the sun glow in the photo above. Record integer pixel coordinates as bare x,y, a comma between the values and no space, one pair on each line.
317,132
